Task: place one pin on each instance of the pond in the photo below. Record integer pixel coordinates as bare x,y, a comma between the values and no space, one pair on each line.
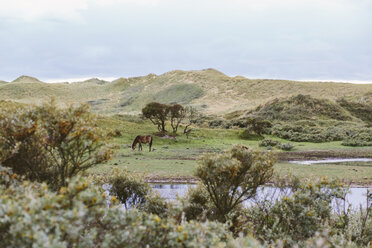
331,161
355,197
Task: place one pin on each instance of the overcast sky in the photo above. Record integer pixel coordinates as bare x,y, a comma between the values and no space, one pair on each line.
288,39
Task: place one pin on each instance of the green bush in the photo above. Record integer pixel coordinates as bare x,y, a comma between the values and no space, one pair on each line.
269,143
301,107
130,190
359,110
31,215
234,176
294,217
197,205
362,137
49,144
133,192
286,146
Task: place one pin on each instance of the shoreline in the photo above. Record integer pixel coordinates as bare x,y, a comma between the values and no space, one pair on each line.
193,180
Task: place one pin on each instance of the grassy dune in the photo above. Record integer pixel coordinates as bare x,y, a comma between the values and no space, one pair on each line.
209,90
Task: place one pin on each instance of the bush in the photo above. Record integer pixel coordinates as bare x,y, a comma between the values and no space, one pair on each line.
48,144
317,132
130,190
234,176
301,107
294,217
133,192
363,137
269,143
287,146
78,216
197,205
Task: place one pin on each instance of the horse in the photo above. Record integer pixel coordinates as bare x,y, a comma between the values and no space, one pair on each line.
142,139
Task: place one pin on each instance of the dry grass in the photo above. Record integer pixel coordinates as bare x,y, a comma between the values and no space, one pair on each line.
209,90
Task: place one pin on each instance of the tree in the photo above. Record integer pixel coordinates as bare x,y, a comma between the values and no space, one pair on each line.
157,113
232,177
191,116
176,113
257,126
49,144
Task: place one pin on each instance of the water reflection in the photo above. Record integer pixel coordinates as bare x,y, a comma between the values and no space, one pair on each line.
331,161
355,197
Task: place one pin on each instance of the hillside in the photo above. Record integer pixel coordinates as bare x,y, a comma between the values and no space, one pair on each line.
209,90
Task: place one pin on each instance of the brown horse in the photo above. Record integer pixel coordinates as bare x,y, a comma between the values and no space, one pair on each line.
142,139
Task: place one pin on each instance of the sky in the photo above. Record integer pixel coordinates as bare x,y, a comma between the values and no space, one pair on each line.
287,39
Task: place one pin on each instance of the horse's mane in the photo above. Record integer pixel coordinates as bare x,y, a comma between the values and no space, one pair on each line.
135,141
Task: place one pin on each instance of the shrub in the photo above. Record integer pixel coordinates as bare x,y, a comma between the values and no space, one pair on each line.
234,176
155,204
287,146
197,205
48,144
359,110
301,107
131,190
317,132
257,126
78,216
363,137
269,143
294,217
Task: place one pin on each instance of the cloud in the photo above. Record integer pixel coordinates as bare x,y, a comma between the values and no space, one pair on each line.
33,10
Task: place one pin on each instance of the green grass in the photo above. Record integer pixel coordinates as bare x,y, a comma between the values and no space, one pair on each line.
177,158
356,172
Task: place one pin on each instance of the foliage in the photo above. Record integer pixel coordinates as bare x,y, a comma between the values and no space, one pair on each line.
317,132
191,117
294,217
234,176
176,114
286,146
133,192
157,113
130,190
155,204
301,107
197,205
182,93
257,126
360,110
269,143
361,137
78,216
48,144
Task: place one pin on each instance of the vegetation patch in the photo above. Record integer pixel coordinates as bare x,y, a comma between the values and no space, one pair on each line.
179,93
301,107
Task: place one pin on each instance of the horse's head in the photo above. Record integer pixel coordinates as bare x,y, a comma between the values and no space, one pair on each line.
133,148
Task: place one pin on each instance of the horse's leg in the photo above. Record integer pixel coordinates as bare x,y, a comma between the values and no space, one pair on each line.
140,147
150,146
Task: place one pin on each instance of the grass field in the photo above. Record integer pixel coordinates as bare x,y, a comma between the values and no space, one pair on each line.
175,159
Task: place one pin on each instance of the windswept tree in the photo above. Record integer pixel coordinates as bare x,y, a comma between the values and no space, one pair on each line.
191,116
157,113
257,126
176,114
